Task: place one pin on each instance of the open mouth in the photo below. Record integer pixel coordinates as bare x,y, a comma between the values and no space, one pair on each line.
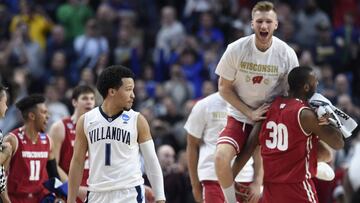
264,34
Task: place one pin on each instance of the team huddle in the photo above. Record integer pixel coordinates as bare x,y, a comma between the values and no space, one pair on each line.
265,146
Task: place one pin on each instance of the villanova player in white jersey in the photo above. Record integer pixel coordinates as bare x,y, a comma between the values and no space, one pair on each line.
115,135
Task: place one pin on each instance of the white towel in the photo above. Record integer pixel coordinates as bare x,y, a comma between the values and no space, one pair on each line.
341,120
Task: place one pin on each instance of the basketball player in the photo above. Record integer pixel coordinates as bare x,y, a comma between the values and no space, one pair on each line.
289,138
115,135
253,70
5,150
206,120
32,160
63,135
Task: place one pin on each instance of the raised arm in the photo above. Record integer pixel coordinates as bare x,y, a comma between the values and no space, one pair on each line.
327,133
77,161
152,165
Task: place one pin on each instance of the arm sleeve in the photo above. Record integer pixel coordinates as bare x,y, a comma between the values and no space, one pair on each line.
153,169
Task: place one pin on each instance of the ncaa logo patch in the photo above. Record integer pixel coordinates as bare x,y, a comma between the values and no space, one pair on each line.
125,118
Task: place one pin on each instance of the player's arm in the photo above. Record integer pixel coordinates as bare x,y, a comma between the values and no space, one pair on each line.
6,152
227,91
13,142
152,165
57,134
325,153
77,161
327,133
51,163
248,150
192,150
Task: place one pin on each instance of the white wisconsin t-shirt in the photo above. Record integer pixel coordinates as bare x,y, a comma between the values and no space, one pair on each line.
258,76
206,120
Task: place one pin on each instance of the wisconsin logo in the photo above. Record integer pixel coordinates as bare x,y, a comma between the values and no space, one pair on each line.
257,79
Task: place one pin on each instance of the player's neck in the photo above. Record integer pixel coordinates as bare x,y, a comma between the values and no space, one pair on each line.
76,115
30,132
297,96
263,46
109,109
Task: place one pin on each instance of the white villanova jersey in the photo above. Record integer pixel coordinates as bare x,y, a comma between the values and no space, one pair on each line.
206,120
113,147
258,76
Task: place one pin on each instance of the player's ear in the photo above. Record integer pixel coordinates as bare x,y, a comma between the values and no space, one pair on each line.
306,87
111,91
31,115
276,24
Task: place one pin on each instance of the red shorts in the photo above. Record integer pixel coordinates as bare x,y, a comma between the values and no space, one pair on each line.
235,134
27,198
212,192
303,192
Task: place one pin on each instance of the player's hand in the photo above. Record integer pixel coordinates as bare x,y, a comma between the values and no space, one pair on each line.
82,193
197,192
254,193
149,194
242,191
259,113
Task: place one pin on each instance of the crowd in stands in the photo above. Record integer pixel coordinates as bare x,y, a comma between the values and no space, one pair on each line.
173,47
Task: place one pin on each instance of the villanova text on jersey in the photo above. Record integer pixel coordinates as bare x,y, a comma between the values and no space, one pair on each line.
109,133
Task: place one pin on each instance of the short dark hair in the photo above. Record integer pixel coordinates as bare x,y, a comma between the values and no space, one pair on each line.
111,77
81,89
298,77
27,104
2,90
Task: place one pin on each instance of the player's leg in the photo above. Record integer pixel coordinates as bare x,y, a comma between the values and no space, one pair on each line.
229,143
224,154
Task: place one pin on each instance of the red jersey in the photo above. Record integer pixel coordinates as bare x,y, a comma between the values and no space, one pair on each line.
289,154
28,167
67,150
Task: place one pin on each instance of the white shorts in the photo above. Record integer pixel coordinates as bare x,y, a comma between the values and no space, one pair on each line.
129,195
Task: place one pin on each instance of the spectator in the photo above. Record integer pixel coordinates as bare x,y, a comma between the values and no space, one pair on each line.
73,16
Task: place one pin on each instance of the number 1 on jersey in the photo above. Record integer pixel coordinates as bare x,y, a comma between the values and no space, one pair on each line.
107,154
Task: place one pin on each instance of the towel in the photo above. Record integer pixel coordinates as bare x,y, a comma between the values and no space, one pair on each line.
339,119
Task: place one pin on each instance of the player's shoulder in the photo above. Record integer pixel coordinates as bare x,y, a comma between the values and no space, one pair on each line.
241,42
279,44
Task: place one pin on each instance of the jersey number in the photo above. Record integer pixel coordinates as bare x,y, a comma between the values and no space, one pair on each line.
107,154
34,170
279,136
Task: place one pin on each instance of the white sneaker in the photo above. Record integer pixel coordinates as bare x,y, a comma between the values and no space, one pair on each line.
324,172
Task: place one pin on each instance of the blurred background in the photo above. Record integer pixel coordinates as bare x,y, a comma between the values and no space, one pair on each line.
173,47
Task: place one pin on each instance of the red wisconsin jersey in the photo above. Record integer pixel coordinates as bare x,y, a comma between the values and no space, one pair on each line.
67,149
289,154
28,165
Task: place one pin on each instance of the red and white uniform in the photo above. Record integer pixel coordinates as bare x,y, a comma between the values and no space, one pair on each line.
258,77
206,120
288,153
67,150
28,168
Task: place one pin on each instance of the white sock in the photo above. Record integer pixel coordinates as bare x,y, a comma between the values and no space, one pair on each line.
229,194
